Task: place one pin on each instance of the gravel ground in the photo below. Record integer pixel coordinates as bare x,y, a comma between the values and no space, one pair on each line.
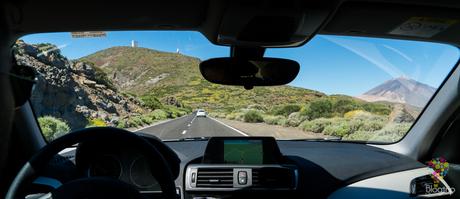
279,132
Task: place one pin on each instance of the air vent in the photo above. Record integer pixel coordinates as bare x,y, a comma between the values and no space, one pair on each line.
214,178
273,178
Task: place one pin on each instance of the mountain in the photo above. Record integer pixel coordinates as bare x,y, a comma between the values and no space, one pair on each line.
150,73
400,90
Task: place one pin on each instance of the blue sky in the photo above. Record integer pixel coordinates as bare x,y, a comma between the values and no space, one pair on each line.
330,64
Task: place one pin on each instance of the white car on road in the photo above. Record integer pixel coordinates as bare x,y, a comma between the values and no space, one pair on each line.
200,113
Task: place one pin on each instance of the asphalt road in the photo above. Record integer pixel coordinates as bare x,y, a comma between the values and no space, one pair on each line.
191,126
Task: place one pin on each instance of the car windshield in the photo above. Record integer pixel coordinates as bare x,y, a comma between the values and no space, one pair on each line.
348,88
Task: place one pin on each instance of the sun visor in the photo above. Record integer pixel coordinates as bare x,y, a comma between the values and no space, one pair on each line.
391,20
272,24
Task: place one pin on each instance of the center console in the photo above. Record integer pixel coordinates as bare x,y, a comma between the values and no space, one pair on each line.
232,164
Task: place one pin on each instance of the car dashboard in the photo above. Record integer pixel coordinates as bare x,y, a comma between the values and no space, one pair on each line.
292,169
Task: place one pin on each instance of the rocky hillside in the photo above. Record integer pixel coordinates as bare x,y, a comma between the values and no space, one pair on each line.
74,91
400,90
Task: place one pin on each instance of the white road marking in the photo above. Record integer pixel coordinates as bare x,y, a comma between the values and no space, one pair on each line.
188,124
238,131
193,120
183,132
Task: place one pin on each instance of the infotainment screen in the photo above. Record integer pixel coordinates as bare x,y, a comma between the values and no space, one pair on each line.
243,152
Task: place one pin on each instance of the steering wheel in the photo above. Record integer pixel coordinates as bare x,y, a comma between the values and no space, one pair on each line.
94,187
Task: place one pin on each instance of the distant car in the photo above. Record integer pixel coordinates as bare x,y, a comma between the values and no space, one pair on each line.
201,113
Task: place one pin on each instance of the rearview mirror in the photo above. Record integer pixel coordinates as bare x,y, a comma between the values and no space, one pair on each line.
249,73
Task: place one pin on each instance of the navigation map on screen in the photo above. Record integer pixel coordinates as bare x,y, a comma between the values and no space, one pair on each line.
243,152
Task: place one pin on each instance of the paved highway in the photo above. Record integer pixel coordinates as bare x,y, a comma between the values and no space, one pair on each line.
191,126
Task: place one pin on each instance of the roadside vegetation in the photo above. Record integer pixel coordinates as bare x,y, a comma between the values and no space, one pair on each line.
52,127
338,116
167,112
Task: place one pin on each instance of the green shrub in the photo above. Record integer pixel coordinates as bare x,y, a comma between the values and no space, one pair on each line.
359,135
305,110
101,78
285,110
398,129
391,132
321,107
338,127
122,124
135,121
315,126
282,122
146,119
342,105
174,112
235,116
371,125
217,115
159,114
151,102
253,116
377,108
343,126
273,120
364,115
52,127
240,117
365,121
295,119
230,116
212,114
257,107
96,122
356,114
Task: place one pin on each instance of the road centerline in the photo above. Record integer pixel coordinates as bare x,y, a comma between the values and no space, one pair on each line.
193,119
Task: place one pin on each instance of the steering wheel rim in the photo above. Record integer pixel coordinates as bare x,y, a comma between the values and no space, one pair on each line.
37,163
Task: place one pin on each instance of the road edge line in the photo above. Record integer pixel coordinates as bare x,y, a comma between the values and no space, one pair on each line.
233,128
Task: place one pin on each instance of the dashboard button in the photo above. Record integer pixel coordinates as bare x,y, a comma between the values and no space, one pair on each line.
242,177
193,177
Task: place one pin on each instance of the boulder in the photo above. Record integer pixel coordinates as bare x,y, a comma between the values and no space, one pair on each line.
172,101
89,82
84,110
100,86
85,69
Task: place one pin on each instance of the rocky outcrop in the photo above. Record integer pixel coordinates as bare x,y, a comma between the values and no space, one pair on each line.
70,90
400,114
172,101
